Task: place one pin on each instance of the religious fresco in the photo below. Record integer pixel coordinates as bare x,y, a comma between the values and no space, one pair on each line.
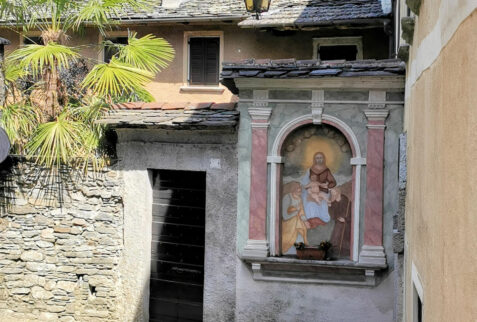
316,190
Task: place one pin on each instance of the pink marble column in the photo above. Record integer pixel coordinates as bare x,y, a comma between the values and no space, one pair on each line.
257,244
258,184
373,250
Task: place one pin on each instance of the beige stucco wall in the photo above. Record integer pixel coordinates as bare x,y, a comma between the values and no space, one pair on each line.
441,120
237,44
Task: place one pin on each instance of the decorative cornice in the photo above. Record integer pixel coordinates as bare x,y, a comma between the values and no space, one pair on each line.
376,114
376,127
260,125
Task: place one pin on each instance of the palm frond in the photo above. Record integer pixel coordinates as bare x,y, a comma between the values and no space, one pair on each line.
148,52
104,13
13,71
57,142
36,57
19,121
115,78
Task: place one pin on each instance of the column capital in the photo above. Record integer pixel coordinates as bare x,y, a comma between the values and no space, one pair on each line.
376,114
260,116
376,118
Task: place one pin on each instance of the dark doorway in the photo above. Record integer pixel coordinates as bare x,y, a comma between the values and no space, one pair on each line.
178,236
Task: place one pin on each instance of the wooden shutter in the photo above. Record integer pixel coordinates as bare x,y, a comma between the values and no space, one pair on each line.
204,61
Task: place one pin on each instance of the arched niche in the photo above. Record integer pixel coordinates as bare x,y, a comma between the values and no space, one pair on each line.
290,168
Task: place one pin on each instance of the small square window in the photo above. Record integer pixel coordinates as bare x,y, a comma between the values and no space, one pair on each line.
32,40
204,56
110,51
338,48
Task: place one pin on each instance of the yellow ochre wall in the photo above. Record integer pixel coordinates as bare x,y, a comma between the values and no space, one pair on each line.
238,44
441,121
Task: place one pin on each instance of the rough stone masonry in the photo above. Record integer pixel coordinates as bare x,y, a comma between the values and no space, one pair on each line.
60,244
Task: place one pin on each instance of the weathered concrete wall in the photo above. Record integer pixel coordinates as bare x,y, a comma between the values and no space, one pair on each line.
274,301
60,263
267,301
440,206
215,153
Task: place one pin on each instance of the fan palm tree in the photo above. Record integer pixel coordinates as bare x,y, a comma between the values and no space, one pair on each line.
44,120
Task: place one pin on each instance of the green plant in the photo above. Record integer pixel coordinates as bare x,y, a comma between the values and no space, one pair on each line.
325,245
45,121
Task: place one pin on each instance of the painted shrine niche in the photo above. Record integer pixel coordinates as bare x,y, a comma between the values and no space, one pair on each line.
316,190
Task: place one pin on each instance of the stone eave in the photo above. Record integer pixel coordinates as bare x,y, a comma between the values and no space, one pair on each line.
292,24
361,82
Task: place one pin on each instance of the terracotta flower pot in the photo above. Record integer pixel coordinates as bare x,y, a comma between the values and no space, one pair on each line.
311,253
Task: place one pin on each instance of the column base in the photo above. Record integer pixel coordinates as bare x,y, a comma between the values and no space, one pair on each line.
256,248
372,255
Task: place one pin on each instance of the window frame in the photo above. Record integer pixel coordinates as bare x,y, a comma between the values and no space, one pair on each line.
417,295
24,35
186,86
110,34
338,41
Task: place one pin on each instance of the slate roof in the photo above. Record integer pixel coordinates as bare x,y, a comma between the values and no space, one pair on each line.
180,116
291,68
190,9
187,11
300,13
282,12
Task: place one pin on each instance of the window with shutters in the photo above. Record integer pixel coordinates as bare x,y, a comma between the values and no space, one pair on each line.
204,60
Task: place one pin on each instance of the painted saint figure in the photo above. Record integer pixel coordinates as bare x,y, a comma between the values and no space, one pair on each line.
317,183
294,223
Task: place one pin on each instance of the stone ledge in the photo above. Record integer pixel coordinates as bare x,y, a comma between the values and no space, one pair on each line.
292,270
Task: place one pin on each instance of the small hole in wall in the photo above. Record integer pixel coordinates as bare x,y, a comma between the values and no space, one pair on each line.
92,290
80,278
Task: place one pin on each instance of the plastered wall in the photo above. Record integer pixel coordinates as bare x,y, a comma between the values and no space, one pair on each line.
238,44
442,153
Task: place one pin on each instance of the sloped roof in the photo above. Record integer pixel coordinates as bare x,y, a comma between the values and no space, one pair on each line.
291,68
282,12
190,9
180,116
300,13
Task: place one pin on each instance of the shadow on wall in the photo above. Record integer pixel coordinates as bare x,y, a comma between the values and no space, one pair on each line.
23,182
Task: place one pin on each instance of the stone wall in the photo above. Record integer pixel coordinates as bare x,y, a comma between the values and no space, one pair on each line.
60,244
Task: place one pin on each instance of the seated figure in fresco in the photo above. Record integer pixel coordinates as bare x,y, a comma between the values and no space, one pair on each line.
294,222
316,195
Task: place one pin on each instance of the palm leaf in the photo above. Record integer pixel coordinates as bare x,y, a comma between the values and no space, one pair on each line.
19,122
103,13
148,53
37,57
115,78
57,142
13,71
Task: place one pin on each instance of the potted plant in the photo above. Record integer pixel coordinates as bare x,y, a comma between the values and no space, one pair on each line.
318,252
